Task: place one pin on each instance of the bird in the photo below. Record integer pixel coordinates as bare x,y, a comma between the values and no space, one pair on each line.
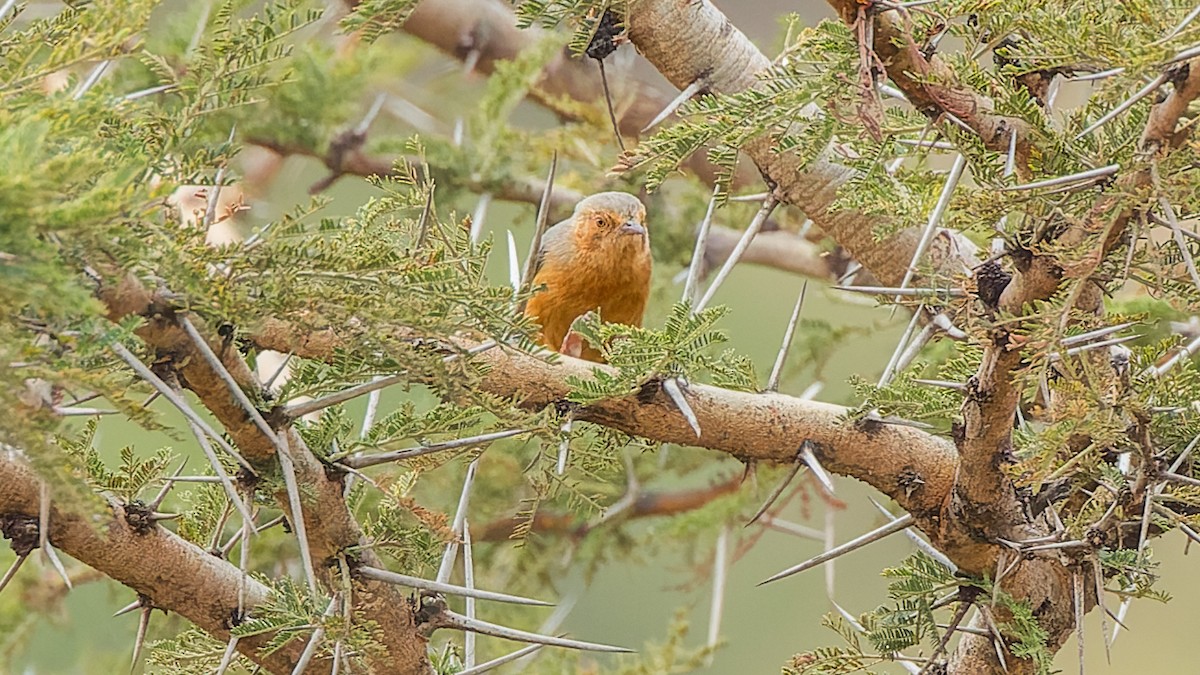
598,260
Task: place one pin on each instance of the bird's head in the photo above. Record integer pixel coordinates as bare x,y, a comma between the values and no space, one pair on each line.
611,220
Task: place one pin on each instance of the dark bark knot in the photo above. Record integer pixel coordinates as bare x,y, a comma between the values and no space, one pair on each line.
22,530
139,517
910,481
991,279
608,36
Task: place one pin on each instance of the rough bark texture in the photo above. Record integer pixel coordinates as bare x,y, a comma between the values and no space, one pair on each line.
173,573
331,528
687,41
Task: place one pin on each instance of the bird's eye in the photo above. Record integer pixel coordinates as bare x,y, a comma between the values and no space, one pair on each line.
600,222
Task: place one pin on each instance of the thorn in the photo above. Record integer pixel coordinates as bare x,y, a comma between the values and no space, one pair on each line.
178,401
1090,174
136,604
788,334
956,172
372,113
389,577
788,527
168,484
140,640
227,657
933,145
540,225
874,417
917,541
675,391
314,640
448,619
91,80
80,412
514,265
210,212
56,562
1191,16
1098,579
903,292
298,410
754,197
364,461
423,224
1095,345
459,522
903,347
499,661
943,322
1158,371
893,527
775,493
1099,332
299,526
1177,232
1120,618
481,208
1077,593
469,580
1126,105
564,444
945,384
1100,75
756,224
810,459
142,93
720,575
1010,162
687,93
694,267
12,571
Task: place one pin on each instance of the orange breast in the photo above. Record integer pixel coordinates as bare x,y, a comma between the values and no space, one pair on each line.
617,289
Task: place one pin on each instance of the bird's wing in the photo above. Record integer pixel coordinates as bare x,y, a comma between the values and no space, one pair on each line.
555,241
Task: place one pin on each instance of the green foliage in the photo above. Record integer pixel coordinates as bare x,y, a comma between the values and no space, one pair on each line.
639,355
192,652
372,19
582,16
129,479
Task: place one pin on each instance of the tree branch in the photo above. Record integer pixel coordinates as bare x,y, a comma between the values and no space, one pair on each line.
330,527
641,504
483,32
199,586
694,41
909,465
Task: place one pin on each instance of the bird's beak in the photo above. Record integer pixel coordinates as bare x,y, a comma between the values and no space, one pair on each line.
630,227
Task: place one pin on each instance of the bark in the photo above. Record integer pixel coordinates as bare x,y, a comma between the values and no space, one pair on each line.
175,574
331,528
695,41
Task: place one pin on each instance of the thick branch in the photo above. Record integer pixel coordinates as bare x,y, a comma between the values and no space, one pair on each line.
637,504
331,528
911,466
353,161
930,85
695,41
173,573
484,32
